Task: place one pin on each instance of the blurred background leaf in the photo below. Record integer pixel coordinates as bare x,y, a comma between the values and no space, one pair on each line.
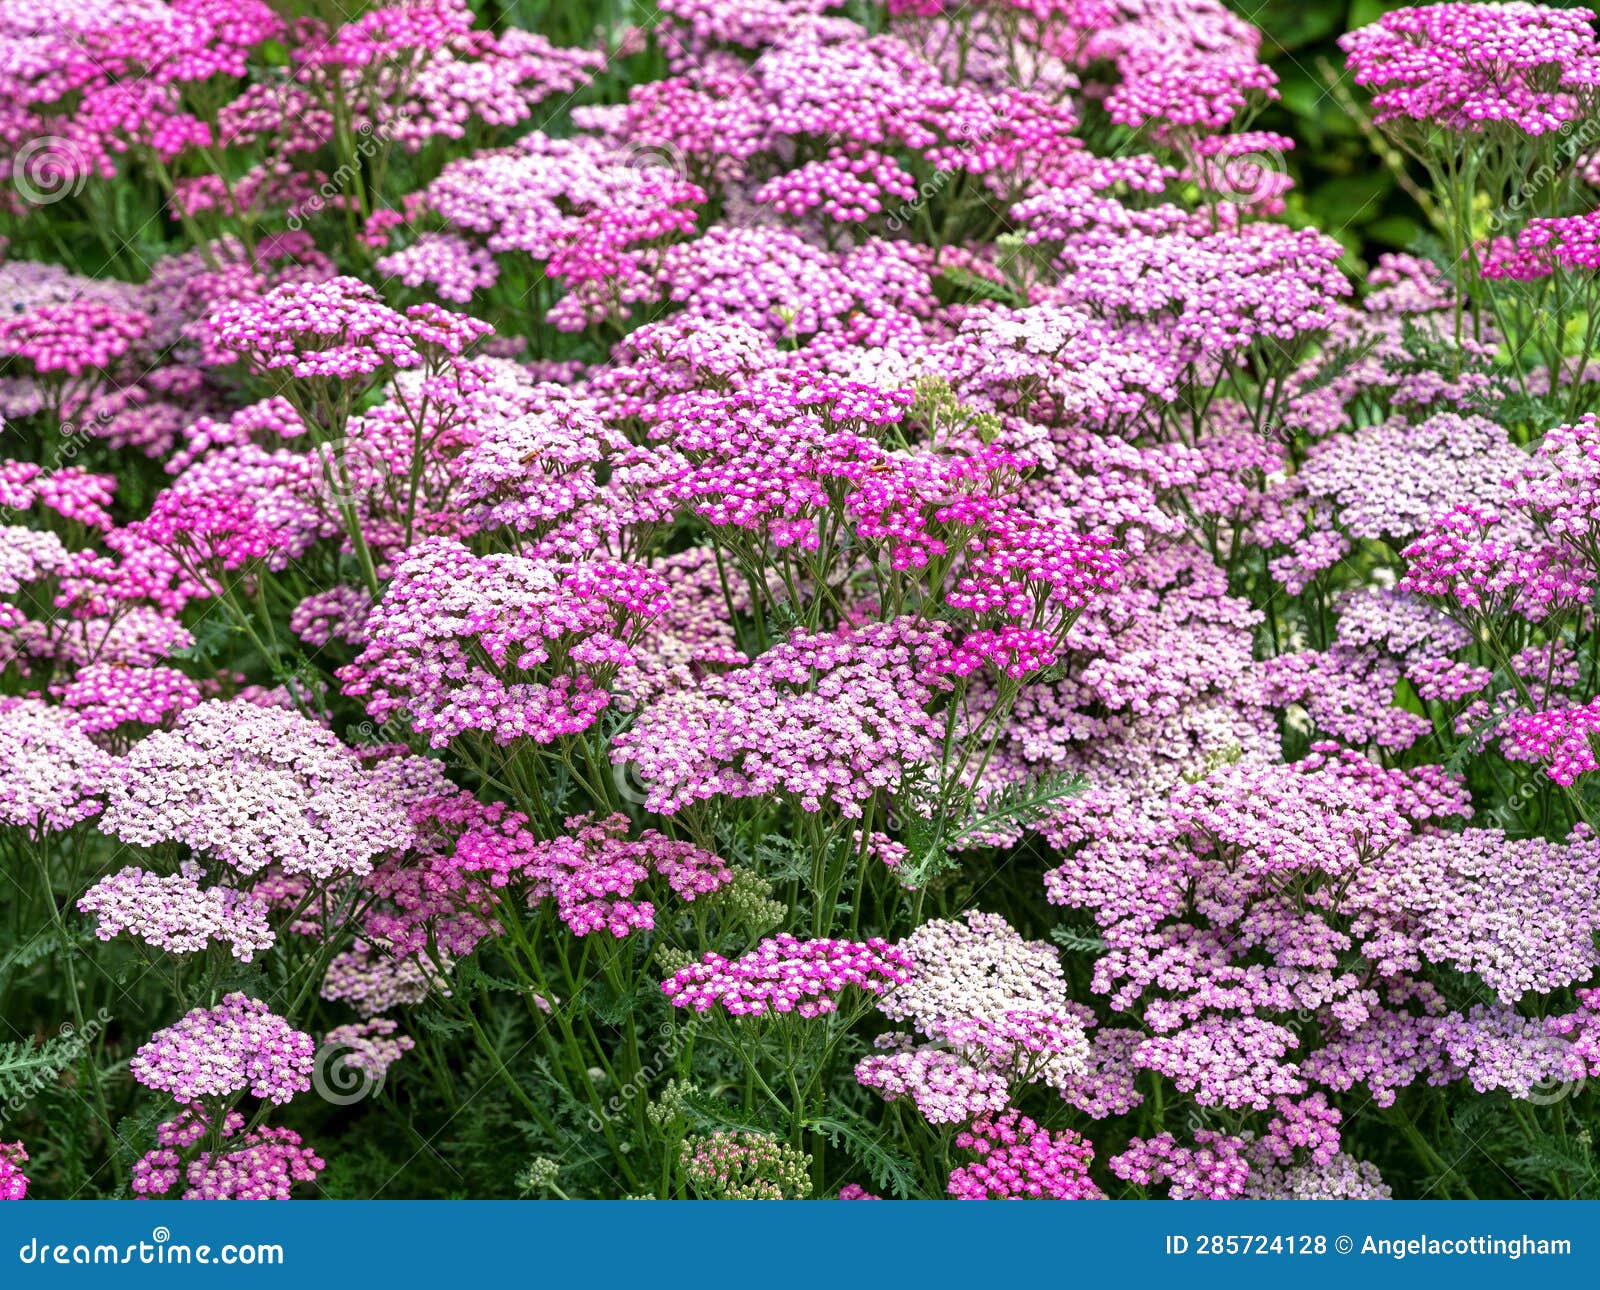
1343,184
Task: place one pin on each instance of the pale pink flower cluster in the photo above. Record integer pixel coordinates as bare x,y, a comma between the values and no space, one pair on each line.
173,912
239,1046
786,975
250,786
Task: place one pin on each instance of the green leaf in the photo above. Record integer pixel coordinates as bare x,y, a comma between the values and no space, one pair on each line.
436,1023
28,1067
966,286
470,976
889,1170
1294,24
706,1112
782,859
1024,803
1349,199
1395,230
1070,938
1364,12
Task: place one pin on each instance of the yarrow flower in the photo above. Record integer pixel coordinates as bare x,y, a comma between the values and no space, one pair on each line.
71,339
211,531
239,1046
108,696
512,647
778,723
13,1182
56,775
945,1087
264,1163
373,980
1544,245
734,1165
1463,562
338,330
369,1047
1562,740
1470,67
1213,1169
592,871
996,1010
174,913
1017,1160
783,975
251,786
871,510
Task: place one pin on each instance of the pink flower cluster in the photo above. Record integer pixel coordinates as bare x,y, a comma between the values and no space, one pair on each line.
1541,246
778,725
108,697
592,871
785,975
1473,67
259,1164
997,1012
250,786
13,1182
511,647
338,330
239,1046
174,913
1017,1160
55,774
369,1047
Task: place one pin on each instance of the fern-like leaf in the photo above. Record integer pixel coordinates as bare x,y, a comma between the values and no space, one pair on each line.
889,1170
1079,942
1024,803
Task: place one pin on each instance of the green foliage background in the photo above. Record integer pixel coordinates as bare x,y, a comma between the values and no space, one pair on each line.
1347,181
